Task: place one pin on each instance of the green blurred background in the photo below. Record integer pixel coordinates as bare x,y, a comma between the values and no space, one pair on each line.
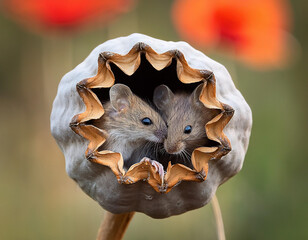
266,200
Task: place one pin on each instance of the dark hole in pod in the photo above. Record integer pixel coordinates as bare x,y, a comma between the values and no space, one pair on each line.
146,79
142,83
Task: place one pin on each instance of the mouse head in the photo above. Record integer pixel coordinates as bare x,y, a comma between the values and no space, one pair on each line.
185,116
133,118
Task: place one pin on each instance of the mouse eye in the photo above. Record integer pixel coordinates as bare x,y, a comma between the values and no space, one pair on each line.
146,121
187,129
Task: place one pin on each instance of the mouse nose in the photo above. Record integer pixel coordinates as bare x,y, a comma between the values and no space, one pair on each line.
161,133
174,148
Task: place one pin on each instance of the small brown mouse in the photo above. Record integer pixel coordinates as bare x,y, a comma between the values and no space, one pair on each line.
129,122
186,117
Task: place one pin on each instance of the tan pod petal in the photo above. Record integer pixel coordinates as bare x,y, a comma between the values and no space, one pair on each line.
142,188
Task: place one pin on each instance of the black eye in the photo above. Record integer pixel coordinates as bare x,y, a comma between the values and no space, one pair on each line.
146,121
187,129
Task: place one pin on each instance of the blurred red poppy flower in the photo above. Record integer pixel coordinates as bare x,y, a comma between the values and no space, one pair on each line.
254,31
64,14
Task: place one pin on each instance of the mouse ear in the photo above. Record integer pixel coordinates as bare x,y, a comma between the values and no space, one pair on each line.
162,96
195,96
120,97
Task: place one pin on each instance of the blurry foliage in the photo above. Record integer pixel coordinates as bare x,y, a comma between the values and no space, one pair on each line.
266,200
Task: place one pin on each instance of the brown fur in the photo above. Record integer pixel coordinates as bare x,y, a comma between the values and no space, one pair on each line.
180,110
122,122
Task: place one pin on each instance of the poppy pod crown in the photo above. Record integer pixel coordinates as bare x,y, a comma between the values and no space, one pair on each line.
143,63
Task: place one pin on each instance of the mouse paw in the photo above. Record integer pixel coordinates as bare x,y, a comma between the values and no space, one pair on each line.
158,167
146,159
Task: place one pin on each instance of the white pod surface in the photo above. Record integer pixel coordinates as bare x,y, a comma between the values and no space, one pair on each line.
143,63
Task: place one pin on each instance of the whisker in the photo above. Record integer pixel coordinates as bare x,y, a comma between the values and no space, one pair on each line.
155,150
185,157
188,154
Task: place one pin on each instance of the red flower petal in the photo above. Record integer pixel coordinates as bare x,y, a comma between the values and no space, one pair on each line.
251,30
64,14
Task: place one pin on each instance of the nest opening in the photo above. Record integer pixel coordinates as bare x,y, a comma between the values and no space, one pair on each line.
145,79
142,70
143,82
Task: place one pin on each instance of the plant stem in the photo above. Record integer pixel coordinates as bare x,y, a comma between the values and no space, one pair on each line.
114,226
218,218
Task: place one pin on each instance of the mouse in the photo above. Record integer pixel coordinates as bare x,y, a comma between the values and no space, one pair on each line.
186,117
129,123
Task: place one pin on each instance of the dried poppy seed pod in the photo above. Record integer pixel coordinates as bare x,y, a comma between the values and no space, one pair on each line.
143,63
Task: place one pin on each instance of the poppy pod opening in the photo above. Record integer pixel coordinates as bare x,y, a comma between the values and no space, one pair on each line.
138,65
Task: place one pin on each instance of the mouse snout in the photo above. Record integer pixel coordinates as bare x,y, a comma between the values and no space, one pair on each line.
161,133
174,147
